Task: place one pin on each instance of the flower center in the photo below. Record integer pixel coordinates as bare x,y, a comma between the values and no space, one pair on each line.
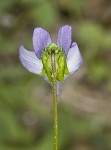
60,62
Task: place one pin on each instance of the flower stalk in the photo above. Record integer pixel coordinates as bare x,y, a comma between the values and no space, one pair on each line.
54,91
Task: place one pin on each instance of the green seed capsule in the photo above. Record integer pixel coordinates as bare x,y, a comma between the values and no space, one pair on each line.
60,60
61,68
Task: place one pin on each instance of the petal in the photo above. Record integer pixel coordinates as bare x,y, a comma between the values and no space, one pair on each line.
45,77
41,39
64,38
74,58
59,85
30,61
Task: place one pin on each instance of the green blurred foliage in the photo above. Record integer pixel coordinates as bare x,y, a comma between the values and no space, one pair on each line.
96,41
25,122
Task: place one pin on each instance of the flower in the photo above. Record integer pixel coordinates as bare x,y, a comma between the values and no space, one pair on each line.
68,57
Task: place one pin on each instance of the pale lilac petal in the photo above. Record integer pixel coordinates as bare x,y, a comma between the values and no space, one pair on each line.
30,61
64,38
41,39
59,85
45,77
74,58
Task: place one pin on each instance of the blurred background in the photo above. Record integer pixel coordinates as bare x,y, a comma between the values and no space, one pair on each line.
26,112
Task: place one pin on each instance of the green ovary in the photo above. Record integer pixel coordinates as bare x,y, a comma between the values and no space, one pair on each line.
60,60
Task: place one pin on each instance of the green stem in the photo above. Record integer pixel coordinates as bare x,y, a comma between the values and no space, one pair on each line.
54,90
